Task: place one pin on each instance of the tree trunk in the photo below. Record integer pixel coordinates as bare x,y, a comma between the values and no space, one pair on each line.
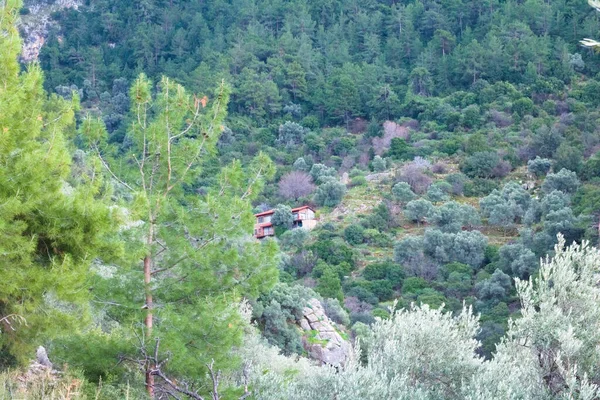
148,322
149,306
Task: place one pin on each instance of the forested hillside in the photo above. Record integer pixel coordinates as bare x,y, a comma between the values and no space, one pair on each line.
446,146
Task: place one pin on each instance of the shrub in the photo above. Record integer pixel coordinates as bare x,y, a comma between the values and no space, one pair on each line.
481,164
403,192
564,181
330,193
320,173
354,234
379,164
335,311
418,210
282,216
539,166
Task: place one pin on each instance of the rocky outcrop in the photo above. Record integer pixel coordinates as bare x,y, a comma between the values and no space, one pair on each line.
322,339
35,25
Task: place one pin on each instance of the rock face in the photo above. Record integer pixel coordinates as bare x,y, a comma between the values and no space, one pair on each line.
36,24
321,339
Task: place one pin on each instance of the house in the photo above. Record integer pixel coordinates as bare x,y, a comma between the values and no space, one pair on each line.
304,217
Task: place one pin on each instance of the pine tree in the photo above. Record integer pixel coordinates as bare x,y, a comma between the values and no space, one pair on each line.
53,217
197,254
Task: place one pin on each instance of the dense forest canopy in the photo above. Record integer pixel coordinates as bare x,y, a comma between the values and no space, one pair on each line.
446,148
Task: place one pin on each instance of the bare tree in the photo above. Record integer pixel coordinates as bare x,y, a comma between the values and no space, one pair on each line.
296,184
414,174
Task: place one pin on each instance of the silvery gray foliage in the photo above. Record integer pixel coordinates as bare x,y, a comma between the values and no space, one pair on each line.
402,192
551,352
320,173
291,133
539,166
379,164
452,216
301,165
564,180
503,208
419,353
464,247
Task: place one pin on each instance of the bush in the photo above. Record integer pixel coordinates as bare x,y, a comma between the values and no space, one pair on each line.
291,134
388,271
438,192
418,210
414,285
565,181
496,287
335,311
481,164
282,216
330,193
591,168
379,164
457,182
320,173
301,165
333,252
354,234
539,166
294,238
479,187
403,192
359,180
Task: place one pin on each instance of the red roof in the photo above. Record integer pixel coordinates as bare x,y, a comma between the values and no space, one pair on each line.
302,208
264,213
269,212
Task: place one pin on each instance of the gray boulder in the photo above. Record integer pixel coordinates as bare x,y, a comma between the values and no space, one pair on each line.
322,339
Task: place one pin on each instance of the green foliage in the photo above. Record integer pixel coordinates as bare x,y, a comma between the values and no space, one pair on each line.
329,284
330,192
403,192
591,168
175,223
569,158
539,166
333,252
496,288
452,216
282,216
291,134
564,181
522,106
464,247
320,172
418,210
388,271
481,164
354,234
278,310
517,260
55,217
415,347
379,164
295,238
400,150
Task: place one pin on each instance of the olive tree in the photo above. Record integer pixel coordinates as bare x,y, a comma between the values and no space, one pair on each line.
564,181
418,210
330,192
539,166
403,192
